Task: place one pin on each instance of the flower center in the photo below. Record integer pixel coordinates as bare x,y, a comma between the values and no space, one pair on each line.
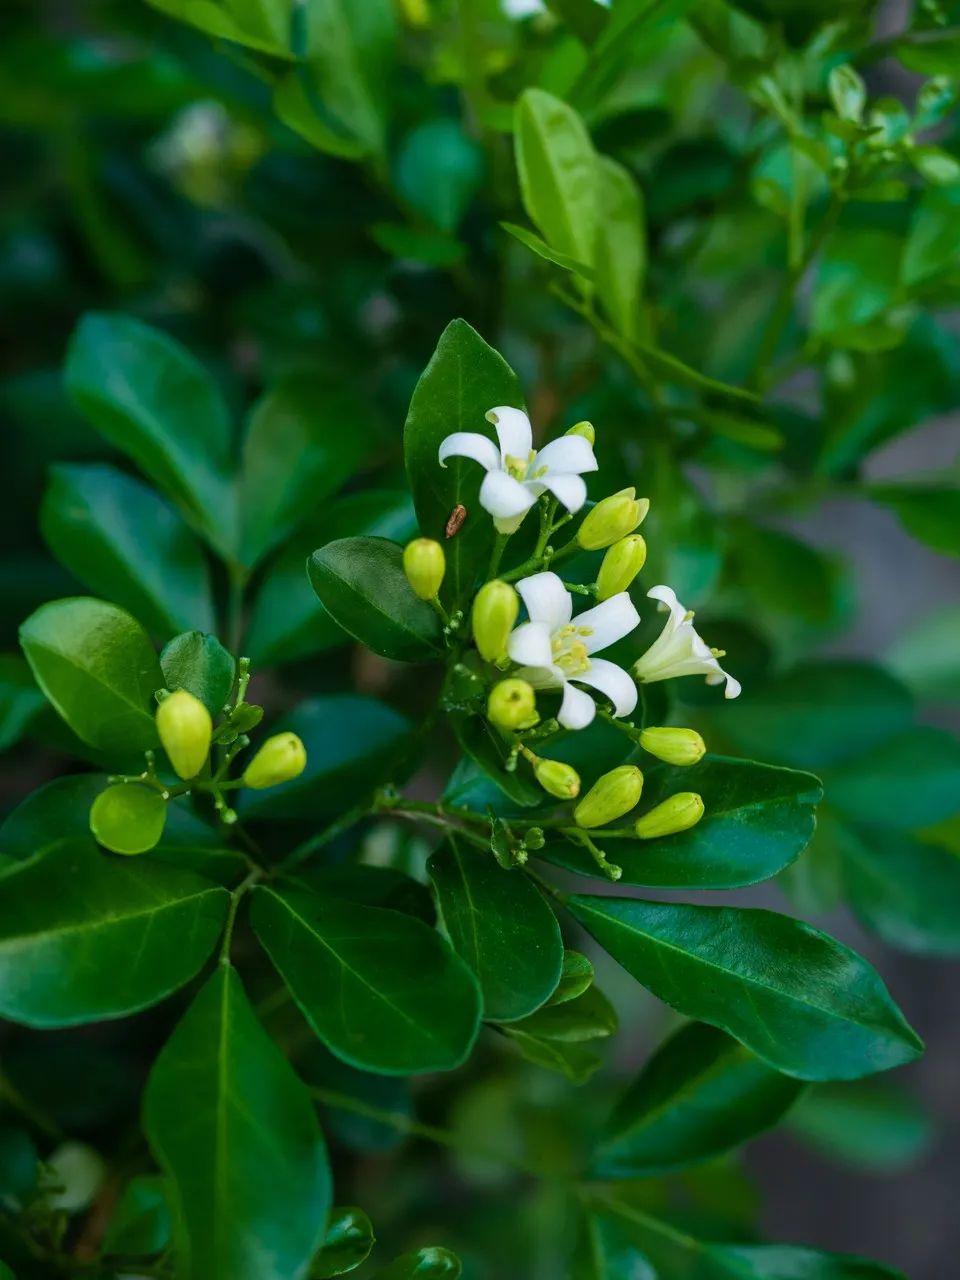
518,467
569,651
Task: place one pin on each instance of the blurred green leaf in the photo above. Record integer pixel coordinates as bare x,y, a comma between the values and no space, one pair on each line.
438,170
20,699
140,1225
927,657
928,511
422,1264
856,283
908,781
866,1125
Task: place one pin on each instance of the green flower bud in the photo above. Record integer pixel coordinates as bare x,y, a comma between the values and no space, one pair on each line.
610,797
185,728
612,519
534,839
584,429
512,704
128,818
557,779
494,613
620,566
678,813
675,746
424,564
281,758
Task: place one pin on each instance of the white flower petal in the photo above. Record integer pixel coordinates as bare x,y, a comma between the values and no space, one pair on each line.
569,454
547,600
469,444
503,496
513,431
613,682
734,687
577,708
571,490
666,595
530,645
606,623
541,677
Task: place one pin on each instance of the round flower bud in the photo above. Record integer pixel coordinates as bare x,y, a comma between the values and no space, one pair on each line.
675,746
620,566
185,727
512,704
678,813
556,778
494,612
281,758
584,429
128,818
612,519
610,797
424,564
534,839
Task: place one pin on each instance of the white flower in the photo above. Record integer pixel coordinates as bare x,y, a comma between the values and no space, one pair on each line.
516,474
555,648
679,650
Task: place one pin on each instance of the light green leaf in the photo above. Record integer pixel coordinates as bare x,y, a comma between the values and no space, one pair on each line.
201,665
576,977
557,167
97,667
501,925
382,990
263,25
123,541
347,1243
620,256
540,247
116,936
246,1159
797,998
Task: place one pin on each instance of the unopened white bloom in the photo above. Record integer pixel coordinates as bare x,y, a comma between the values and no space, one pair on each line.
516,474
679,650
555,648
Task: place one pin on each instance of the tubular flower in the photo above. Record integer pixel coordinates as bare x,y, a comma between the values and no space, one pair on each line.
516,473
554,648
679,650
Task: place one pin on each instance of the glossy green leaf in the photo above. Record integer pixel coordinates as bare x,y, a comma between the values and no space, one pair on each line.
700,1094
464,379
305,438
543,250
798,999
930,512
422,1264
200,664
96,664
140,1226
123,541
20,699
361,584
352,743
117,936
382,990
487,749
263,25
576,977
347,1243
246,1159
368,886
148,396
909,781
501,925
557,167
620,257
866,1125
287,620
758,820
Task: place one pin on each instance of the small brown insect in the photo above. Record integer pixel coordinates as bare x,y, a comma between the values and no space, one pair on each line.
455,521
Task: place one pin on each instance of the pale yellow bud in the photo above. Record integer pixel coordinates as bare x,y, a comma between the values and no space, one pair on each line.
424,564
495,611
512,704
558,779
185,729
280,759
620,566
612,519
675,746
610,797
678,813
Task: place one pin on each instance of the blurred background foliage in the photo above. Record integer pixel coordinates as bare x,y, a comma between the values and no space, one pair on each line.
305,194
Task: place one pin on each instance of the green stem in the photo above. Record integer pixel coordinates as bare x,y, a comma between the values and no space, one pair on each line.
236,898
579,836
496,555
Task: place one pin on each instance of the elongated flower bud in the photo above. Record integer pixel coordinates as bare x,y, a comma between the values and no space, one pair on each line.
185,728
494,613
675,746
512,704
584,429
620,566
678,813
610,797
612,519
557,779
424,564
281,758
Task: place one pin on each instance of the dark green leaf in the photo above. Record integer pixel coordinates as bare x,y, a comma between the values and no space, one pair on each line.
368,886
201,665
930,512
20,699
786,576
501,925
909,781
557,167
866,1125
116,936
361,584
96,665
438,170
124,542
757,820
351,1125
422,1264
246,1159
347,1243
149,397
382,990
484,745
19,1162
605,1252
464,379
803,1002
140,1224
699,1095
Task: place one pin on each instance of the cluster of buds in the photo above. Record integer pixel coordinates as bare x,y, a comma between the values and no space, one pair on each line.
130,815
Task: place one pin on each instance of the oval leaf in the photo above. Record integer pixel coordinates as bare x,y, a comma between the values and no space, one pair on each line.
200,664
800,1000
557,168
347,1243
